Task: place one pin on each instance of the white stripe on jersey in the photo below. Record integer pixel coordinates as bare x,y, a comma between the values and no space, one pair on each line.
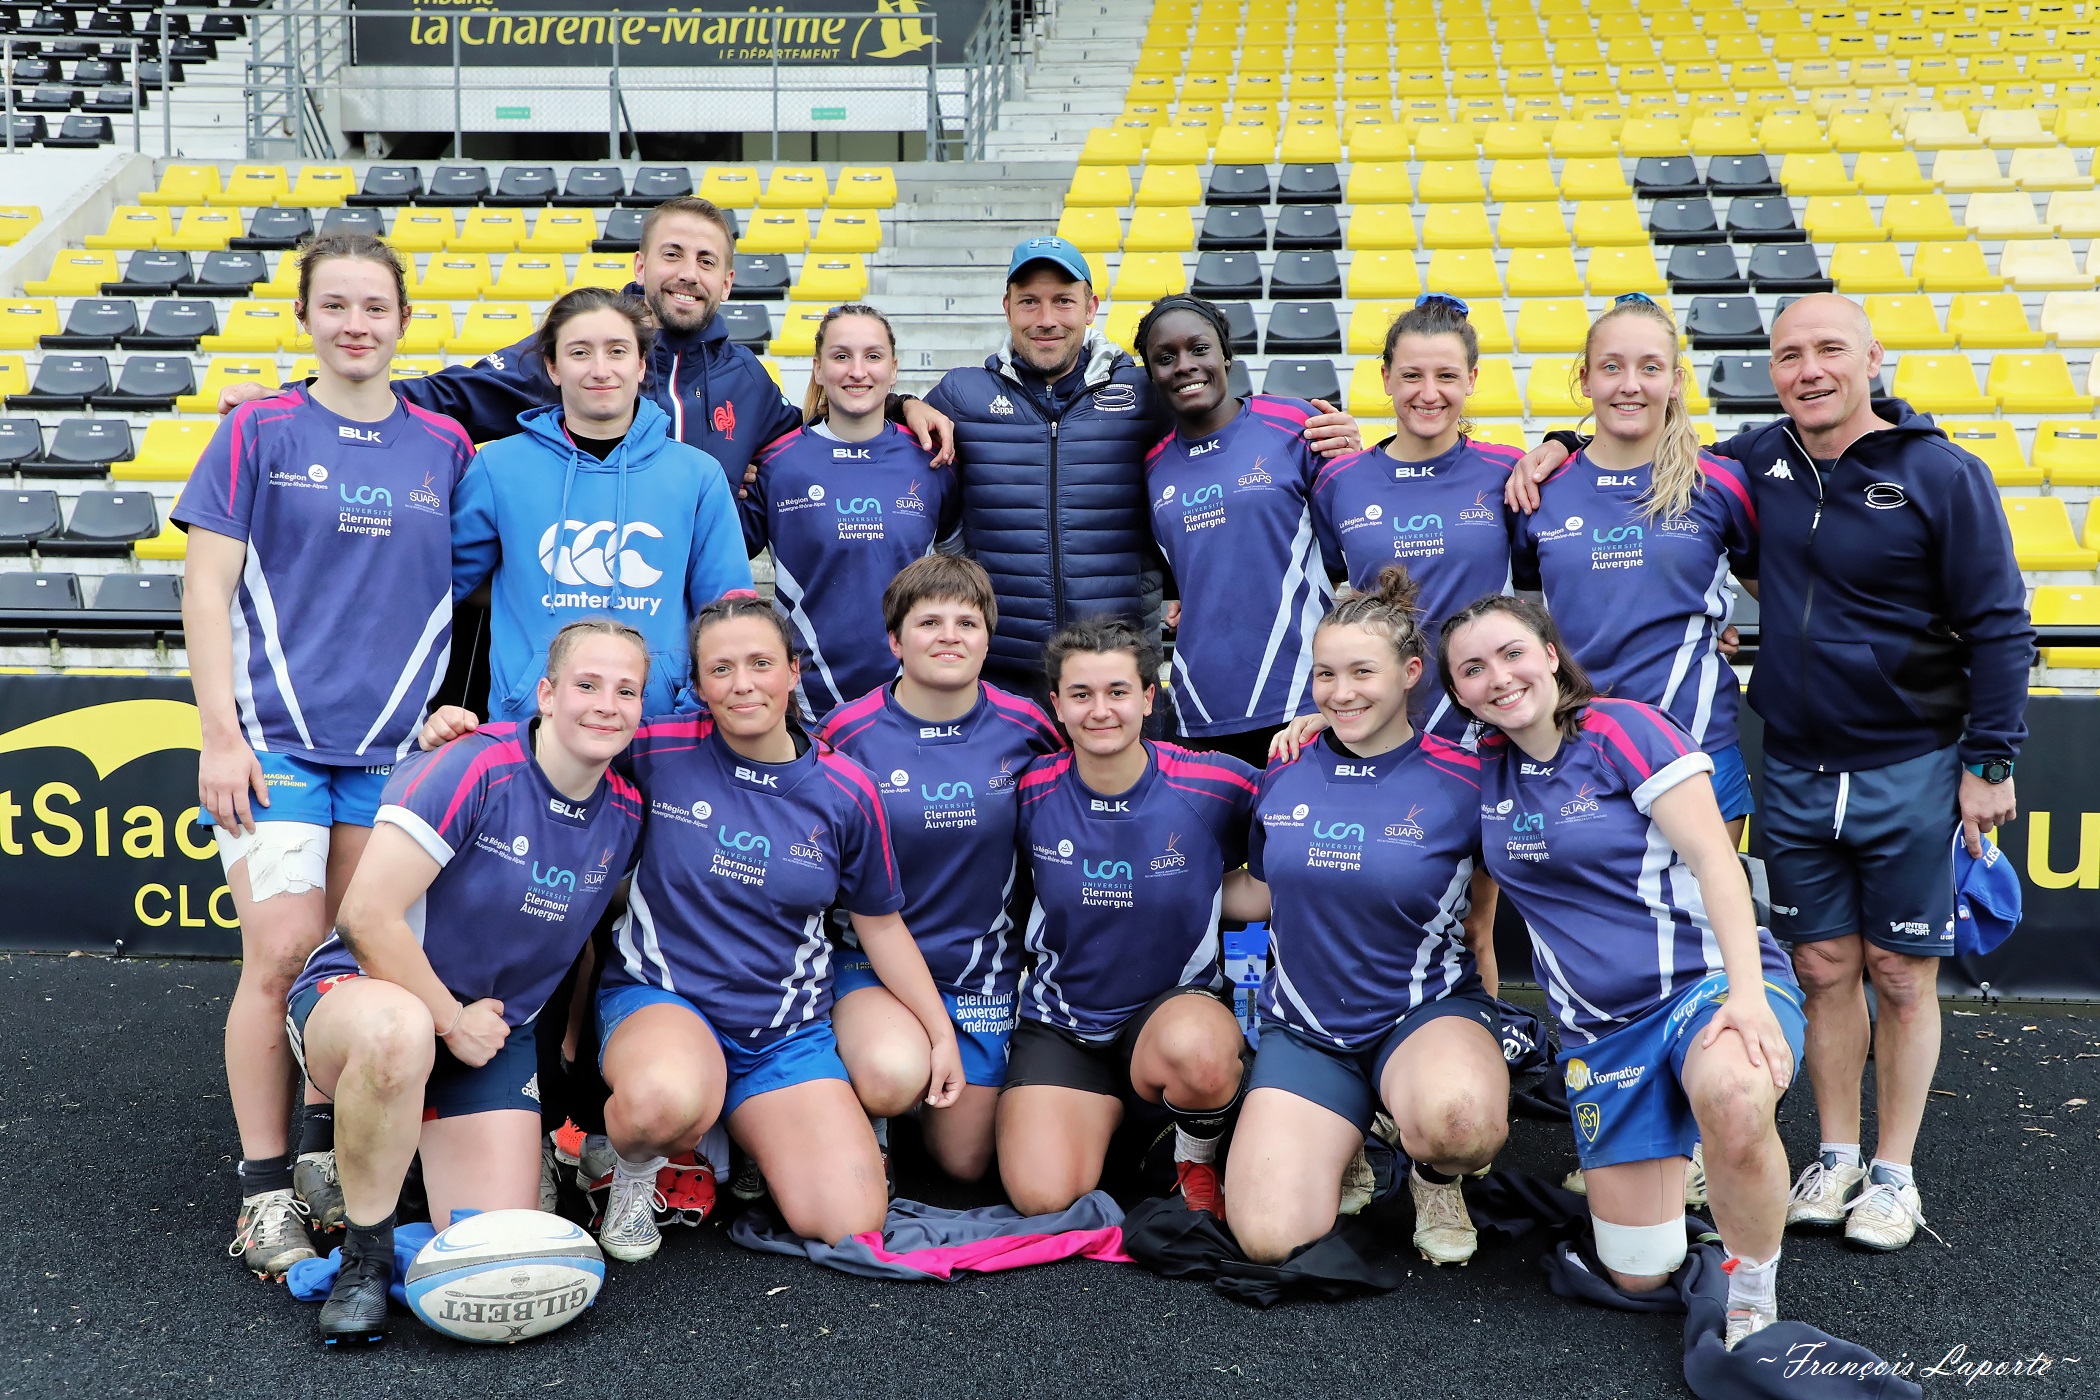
655,970
1560,992
1697,649
1655,864
243,684
1286,988
415,917
1044,974
1001,926
1206,954
258,589
1305,555
1686,894
1188,685
809,953
440,618
788,587
1441,930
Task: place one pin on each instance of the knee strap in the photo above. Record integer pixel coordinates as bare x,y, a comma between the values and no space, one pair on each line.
283,857
1640,1250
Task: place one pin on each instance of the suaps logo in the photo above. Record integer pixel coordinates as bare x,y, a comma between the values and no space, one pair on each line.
366,496
948,792
554,877
1352,832
426,496
1617,534
1107,870
595,876
1582,804
1408,829
1003,780
1171,858
745,841
810,848
1478,513
1418,524
911,500
583,559
1256,476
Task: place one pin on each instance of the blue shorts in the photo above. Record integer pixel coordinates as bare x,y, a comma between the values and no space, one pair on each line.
1626,1091
1345,1082
511,1078
808,1053
318,793
1868,852
984,1025
1731,782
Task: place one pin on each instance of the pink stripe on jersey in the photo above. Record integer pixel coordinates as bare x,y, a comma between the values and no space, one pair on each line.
622,788
1498,452
693,727
441,425
779,444
1153,452
1045,777
1615,734
1729,482
1177,762
854,779
247,420
1333,467
1289,414
495,756
863,712
1024,713
1445,751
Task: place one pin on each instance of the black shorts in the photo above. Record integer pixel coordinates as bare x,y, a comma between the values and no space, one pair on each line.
1345,1082
455,1089
1043,1054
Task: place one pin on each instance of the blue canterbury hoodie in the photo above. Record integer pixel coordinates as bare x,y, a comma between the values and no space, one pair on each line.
649,536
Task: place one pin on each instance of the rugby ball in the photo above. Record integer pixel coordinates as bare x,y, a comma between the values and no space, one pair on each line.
505,1275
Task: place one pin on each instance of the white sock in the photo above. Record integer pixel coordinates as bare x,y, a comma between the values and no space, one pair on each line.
1893,1173
882,1132
1189,1148
1753,1285
639,1171
1842,1154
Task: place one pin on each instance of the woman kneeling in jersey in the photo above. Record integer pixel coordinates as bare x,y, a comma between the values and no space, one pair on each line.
1131,845
716,1003
1369,846
948,751
1680,1020
491,860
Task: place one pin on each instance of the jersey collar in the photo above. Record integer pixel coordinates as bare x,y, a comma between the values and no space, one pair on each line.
1344,767
767,779
1124,805
956,731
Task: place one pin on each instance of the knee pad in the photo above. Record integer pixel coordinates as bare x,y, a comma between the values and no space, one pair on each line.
1640,1250
283,857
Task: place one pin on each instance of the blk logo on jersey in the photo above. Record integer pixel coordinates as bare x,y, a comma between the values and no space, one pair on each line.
756,778
940,731
1098,804
350,434
571,811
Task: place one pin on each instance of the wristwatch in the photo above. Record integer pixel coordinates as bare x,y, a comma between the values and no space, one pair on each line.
1993,770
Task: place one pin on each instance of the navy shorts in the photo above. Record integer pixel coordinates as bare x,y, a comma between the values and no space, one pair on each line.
1731,780
1043,1054
1868,852
984,1025
1345,1082
511,1078
804,1055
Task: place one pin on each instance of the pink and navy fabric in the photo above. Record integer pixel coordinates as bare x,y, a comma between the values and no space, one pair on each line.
1643,602
952,795
349,534
1231,514
1368,863
523,875
934,1244
1443,519
742,861
1129,887
1618,925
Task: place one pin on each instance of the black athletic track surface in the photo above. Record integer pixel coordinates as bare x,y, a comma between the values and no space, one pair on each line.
118,1191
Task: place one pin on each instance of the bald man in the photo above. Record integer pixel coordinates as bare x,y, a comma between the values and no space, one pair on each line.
1892,679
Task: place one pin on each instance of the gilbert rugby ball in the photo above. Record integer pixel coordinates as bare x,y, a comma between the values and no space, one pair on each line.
505,1275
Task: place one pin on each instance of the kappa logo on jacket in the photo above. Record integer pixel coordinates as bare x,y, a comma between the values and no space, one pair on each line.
1001,405
1781,470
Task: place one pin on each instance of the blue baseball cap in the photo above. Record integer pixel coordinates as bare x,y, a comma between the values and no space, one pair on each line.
1058,252
1986,899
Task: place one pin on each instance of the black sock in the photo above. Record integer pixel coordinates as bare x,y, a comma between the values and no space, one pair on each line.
317,1129
373,1242
266,1174
1432,1175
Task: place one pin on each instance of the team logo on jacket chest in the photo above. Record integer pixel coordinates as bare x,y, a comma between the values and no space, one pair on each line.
1255,478
1116,398
910,502
426,498
1409,830
809,850
725,419
1582,806
1478,513
1169,861
1001,405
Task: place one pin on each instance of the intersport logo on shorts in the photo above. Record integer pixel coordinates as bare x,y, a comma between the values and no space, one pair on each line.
591,553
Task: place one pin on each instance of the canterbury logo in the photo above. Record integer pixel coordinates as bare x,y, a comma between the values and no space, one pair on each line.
590,554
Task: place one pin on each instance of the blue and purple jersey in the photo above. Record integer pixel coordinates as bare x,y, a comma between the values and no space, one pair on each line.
1231,515
742,861
1128,888
1443,519
841,519
1618,925
952,795
1643,602
342,620
523,875
1368,863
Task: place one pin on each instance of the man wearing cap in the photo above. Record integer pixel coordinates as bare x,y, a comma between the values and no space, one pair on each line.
1050,439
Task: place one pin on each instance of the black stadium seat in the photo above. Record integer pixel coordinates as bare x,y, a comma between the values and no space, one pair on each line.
1303,379
1787,267
65,381
149,384
110,101
1308,226
456,186
1743,384
1238,382
1666,177
49,97
49,20
21,442
388,187
1309,184
105,522
748,323
1304,328
275,230
1726,323
1738,175
86,446
33,70
591,187
159,593
22,591
1238,184
348,220
222,26
107,24
29,129
152,274
1765,218
81,132
26,517
653,184
620,233
1674,221
1233,228
1302,275
761,277
227,275
1705,267
95,323
1239,319
97,72
1227,277
523,187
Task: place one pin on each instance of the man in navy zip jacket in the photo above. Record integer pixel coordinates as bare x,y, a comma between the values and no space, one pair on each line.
1050,438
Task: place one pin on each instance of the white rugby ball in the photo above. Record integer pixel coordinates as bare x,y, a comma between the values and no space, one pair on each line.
505,1275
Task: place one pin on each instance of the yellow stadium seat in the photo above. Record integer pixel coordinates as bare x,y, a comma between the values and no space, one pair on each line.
1383,276
2009,214
1939,131
2042,538
1491,328
489,231
2052,168
1511,181
1957,267
1538,224
1854,132
1464,272
1180,144
253,327
1160,231
2072,318
321,187
1550,326
1616,271
491,326
1543,272
1890,173
282,283
1603,223
429,328
530,277
170,546
561,231
2068,452
1549,388
2042,265
451,277
1381,142
730,186
1841,218
1108,145
1940,384
2066,605
1457,226
252,187
203,230
17,221
1365,392
1513,141
133,226
798,331
1501,434
1242,143
1379,182
865,187
1099,186
1495,392
1904,322
1810,173
1721,135
1119,326
1915,218
1368,323
1091,230
168,451
847,231
2010,127
1967,172
1997,444
422,231
1991,321
1450,182
613,270
224,370
75,275
1310,142
1380,226
2038,383
775,231
1150,276
182,186
1169,185
796,187
1581,140
1785,134
1654,136
1593,179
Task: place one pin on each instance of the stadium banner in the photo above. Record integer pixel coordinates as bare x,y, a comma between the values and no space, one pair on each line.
565,34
